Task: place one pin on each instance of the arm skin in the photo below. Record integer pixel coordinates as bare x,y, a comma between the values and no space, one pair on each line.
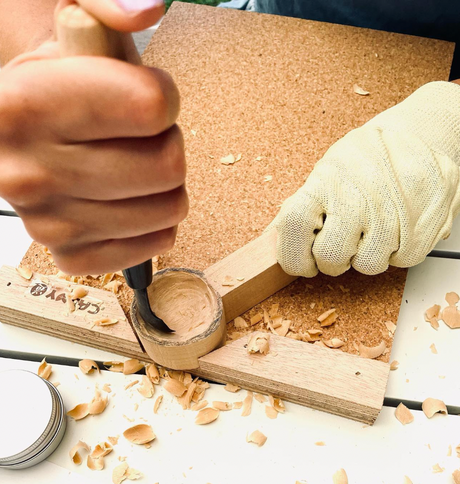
24,25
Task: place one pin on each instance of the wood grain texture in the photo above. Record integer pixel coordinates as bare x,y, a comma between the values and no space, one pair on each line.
254,273
39,305
320,378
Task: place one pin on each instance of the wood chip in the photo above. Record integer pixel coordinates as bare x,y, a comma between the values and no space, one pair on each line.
240,323
432,312
113,440
257,437
359,90
407,480
113,286
175,387
101,450
95,464
131,384
230,387
260,398
24,272
199,405
206,416
328,318
394,365
152,372
433,349
320,444
247,405
146,388
44,370
132,366
431,406
105,322
228,281
403,414
222,405
390,326
451,316
88,366
258,343
70,304
75,455
139,434
456,476
273,311
119,473
106,388
237,405
277,404
437,469
157,404
373,351
284,328
228,160
449,451
334,343
270,412
79,292
340,477
268,178
98,403
79,412
115,366
452,298
257,318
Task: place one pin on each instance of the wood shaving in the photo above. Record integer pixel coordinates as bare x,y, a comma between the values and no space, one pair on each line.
258,343
101,450
105,322
107,388
157,404
88,366
457,449
199,406
359,90
133,474
257,437
373,351
270,412
222,405
452,298
107,278
113,440
113,286
79,292
24,272
152,372
95,464
230,387
98,403
206,416
407,480
328,318
431,406
115,366
437,469
228,281
186,399
334,343
433,349
44,370
403,414
432,316
139,434
451,316
75,455
131,384
238,157
320,444
394,365
277,404
390,326
268,178
247,405
456,476
132,366
79,412
175,387
340,477
284,328
449,451
237,405
240,323
257,318
70,304
146,388
123,472
273,311
260,398
228,160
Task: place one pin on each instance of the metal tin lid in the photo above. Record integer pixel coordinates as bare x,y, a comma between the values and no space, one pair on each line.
32,420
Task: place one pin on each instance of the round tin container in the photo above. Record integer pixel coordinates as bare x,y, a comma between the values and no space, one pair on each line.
32,419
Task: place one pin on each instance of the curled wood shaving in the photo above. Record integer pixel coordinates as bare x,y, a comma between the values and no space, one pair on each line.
273,311
452,298
230,387
240,323
113,440
186,399
394,365
152,372
403,414
146,388
340,477
88,366
431,406
200,405
24,272
79,292
456,476
270,412
107,278
334,343
258,343
44,370
79,412
283,328
101,450
139,434
206,416
228,160
247,404
359,90
113,286
328,318
373,351
157,404
222,405
105,322
277,404
175,387
257,437
260,398
95,464
98,403
75,455
451,316
132,366
256,319
107,388
115,366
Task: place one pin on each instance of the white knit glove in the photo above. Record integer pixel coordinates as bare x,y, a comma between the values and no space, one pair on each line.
385,193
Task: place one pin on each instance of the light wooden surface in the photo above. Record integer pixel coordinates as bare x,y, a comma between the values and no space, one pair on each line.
254,273
320,378
48,313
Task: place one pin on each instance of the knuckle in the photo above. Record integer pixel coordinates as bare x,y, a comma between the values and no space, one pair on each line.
174,158
179,206
168,240
26,187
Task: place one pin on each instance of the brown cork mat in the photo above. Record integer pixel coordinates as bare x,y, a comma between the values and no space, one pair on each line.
279,91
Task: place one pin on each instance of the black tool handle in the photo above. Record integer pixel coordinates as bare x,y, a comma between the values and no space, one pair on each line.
139,276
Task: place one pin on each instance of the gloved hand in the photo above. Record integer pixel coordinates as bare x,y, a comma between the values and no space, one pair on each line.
384,194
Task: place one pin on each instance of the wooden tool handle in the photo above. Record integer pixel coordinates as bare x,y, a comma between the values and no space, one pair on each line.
79,33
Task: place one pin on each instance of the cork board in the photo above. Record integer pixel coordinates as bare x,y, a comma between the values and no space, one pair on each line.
279,91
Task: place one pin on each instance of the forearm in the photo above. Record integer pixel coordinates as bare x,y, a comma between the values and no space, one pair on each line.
24,25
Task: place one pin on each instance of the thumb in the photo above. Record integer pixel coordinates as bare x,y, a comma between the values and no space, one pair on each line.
122,15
